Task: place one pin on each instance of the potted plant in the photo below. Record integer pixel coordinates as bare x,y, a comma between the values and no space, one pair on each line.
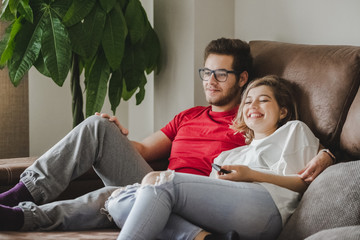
111,42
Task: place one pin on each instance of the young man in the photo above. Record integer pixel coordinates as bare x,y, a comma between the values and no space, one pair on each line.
192,139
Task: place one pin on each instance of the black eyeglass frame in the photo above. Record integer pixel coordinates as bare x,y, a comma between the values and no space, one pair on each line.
214,72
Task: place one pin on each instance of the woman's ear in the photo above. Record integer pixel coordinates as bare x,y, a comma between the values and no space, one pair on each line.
243,78
283,113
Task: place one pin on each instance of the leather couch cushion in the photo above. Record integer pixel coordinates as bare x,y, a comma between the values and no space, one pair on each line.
331,201
327,78
350,135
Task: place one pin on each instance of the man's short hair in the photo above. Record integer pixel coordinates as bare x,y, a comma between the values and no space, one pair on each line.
237,48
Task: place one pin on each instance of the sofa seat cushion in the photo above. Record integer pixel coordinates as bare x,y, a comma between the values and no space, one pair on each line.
331,201
343,233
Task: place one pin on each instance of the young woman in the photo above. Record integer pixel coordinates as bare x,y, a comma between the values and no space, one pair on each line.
255,197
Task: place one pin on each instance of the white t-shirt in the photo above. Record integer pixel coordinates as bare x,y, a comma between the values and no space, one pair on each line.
285,152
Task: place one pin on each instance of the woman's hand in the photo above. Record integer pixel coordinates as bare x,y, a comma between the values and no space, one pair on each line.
239,173
114,120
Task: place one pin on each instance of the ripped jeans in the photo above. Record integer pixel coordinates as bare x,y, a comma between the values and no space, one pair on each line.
213,204
121,202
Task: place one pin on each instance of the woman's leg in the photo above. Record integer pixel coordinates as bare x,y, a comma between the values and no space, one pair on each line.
215,205
121,202
95,142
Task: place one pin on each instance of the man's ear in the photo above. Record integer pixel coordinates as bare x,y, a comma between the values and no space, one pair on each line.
243,78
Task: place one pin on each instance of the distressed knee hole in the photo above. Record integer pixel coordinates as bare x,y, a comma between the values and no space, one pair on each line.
157,178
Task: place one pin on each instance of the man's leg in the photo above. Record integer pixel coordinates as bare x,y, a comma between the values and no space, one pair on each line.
95,142
77,214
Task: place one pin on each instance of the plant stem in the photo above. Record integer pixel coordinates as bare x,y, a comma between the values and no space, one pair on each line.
77,97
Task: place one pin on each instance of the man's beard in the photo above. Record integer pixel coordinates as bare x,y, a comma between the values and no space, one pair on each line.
234,93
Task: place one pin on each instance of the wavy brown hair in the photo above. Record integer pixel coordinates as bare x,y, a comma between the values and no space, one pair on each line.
238,49
283,95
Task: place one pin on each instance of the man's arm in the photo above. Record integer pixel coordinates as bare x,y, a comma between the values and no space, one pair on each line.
318,164
156,146
243,173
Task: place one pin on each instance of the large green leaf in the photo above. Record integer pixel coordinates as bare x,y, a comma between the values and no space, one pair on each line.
77,95
113,41
93,27
78,10
5,11
152,51
133,67
41,67
115,90
126,95
13,4
133,79
3,45
135,21
56,48
7,43
60,7
26,51
39,7
78,39
26,11
141,94
107,5
96,84
4,6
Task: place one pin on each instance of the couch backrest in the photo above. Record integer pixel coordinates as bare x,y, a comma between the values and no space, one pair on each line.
327,82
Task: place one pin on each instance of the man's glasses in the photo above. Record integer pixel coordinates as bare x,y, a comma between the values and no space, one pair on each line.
220,74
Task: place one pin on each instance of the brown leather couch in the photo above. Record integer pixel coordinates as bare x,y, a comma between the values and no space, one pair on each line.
327,80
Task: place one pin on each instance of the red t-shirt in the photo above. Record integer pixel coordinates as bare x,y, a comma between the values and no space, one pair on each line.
199,135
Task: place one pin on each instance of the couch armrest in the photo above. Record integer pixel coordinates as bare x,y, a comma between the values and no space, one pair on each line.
11,169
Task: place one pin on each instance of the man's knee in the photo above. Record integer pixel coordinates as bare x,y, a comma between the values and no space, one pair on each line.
94,119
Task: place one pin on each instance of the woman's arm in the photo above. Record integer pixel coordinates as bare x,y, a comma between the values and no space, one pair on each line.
243,173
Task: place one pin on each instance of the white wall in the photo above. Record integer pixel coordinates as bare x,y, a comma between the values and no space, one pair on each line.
333,22
185,28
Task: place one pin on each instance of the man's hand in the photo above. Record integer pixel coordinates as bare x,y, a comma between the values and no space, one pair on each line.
114,120
318,164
